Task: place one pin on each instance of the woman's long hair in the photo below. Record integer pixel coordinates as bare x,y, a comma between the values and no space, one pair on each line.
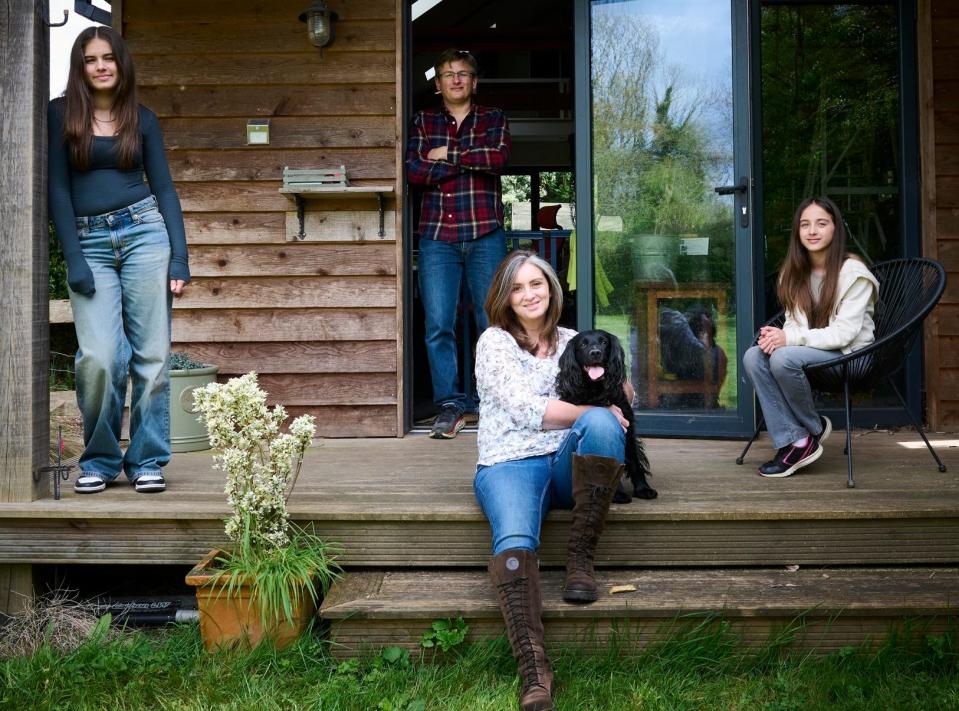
78,109
794,290
500,313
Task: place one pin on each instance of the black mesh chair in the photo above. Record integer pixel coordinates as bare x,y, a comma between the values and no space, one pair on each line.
908,291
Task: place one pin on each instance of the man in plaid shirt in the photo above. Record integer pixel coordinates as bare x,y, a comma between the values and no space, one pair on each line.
456,152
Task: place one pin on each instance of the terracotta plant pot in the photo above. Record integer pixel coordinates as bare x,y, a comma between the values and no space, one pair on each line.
234,621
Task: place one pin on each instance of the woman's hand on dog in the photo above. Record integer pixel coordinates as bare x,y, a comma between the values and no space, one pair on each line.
561,415
623,422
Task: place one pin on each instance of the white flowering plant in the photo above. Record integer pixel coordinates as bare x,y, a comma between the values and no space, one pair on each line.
262,464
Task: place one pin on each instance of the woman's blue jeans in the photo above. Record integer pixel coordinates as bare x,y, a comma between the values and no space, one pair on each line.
124,328
784,392
517,495
440,269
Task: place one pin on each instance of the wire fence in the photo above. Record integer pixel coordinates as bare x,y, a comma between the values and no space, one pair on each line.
62,371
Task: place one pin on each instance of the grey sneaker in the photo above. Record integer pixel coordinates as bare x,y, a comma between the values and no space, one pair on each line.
448,423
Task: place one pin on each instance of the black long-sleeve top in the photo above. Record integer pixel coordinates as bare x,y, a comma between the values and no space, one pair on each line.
104,187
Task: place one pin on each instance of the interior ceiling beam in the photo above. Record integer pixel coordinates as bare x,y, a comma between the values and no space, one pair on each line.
527,16
502,45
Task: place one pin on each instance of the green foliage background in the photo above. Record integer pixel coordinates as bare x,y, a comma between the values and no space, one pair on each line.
830,121
58,267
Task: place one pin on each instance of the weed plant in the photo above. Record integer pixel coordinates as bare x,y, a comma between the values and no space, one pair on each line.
701,666
57,621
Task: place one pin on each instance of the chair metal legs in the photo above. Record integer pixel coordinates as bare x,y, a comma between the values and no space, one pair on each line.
849,481
741,457
942,467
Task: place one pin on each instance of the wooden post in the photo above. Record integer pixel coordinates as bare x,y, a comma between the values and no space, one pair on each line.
24,310
930,237
399,216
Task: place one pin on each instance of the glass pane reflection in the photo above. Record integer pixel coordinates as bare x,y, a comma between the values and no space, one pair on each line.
830,117
664,240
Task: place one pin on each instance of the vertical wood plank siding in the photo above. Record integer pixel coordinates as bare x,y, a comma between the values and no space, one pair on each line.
945,89
24,311
316,319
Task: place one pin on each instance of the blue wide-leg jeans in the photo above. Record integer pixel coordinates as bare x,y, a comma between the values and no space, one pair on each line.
124,328
516,496
784,392
441,268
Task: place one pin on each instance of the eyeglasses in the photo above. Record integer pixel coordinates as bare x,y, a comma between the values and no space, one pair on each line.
448,76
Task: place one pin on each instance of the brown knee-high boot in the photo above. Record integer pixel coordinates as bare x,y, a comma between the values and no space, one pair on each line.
515,576
594,482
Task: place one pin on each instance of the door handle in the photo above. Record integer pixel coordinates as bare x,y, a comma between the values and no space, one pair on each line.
742,187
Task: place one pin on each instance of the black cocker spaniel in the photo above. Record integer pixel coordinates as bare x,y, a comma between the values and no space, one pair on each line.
592,372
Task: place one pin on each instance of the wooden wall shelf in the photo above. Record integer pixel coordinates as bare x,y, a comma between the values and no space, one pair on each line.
301,193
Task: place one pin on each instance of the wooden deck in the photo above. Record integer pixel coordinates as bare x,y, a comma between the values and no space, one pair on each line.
409,503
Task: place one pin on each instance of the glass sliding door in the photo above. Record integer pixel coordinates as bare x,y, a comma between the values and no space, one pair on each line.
670,191
831,116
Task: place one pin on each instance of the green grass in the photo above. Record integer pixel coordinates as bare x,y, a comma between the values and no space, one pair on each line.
703,668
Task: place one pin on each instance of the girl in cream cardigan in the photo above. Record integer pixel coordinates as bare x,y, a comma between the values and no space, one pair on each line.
829,297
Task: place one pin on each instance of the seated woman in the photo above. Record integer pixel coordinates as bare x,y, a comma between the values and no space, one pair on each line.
537,453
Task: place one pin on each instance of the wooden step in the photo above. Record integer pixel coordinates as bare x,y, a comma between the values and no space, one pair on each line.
409,503
822,609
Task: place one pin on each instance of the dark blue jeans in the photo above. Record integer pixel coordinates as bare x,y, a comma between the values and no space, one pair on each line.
441,269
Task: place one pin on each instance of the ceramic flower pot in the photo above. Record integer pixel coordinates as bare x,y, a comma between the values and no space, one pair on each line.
187,432
234,621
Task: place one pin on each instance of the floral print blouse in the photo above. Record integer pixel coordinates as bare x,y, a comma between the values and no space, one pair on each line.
514,387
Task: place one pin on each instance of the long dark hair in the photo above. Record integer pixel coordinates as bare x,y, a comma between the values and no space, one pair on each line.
78,109
794,290
500,313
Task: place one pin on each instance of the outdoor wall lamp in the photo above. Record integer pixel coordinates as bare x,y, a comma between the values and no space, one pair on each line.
319,23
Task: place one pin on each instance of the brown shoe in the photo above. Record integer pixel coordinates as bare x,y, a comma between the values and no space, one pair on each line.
594,482
515,577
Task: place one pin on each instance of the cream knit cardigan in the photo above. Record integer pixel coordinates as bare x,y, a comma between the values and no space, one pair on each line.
850,324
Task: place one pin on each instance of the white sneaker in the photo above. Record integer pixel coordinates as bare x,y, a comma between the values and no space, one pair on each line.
86,484
149,483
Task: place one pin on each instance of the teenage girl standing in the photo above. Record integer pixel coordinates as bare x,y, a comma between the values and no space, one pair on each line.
120,226
829,297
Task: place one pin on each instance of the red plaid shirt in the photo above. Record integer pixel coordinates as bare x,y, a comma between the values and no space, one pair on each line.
462,200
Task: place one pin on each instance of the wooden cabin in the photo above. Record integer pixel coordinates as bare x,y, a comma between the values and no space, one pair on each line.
331,323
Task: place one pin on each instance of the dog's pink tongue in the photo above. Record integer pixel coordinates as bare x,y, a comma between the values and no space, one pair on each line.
595,372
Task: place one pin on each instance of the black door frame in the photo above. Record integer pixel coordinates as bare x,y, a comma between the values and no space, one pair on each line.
748,292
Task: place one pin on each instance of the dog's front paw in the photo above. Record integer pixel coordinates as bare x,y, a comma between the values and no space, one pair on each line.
645,493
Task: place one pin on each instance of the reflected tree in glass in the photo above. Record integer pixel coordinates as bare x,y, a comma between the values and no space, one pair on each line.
662,140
